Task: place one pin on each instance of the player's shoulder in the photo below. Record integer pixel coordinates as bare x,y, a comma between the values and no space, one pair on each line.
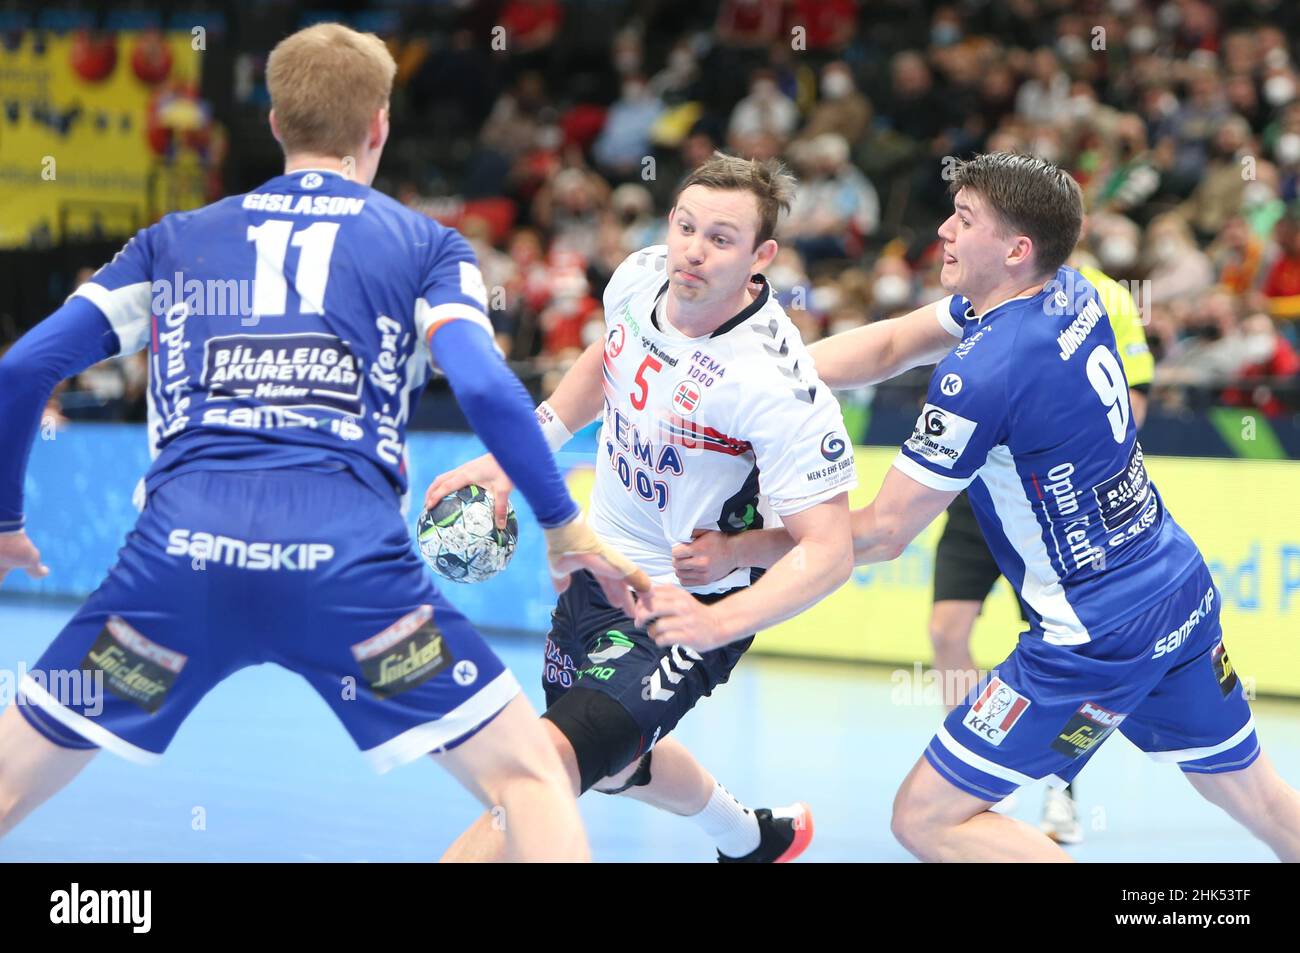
767,351
644,269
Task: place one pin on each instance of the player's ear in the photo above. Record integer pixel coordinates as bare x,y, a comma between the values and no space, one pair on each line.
379,129
275,128
1021,252
764,254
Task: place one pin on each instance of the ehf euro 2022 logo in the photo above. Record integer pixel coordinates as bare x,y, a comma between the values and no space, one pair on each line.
833,446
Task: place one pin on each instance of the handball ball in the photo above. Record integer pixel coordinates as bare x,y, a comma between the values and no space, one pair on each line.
459,539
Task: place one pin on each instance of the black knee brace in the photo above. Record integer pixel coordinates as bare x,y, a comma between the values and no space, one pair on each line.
604,737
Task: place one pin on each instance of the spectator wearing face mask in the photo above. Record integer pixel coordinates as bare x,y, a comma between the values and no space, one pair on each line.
1270,361
841,109
836,207
765,112
1177,267
1218,195
624,142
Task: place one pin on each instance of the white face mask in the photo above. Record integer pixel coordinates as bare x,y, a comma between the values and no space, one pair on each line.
1142,38
1166,250
836,85
1117,253
1287,149
890,291
1257,194
1279,90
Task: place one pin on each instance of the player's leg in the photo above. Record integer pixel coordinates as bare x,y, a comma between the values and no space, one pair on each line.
32,768
1199,718
951,624
938,822
1257,798
135,659
512,767
402,669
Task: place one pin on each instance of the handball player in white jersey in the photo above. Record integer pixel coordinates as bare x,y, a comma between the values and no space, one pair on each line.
707,398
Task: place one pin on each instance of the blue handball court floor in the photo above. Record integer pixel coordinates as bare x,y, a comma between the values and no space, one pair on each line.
273,776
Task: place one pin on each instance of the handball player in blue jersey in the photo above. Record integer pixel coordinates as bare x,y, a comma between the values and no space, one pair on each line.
1029,409
272,526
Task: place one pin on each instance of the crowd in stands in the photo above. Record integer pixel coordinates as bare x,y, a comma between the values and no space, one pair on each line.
557,152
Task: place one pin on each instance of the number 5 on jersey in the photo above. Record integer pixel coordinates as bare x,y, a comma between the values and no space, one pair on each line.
642,393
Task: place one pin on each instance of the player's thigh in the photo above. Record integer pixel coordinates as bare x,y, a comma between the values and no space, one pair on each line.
32,768
615,692
514,746
1197,715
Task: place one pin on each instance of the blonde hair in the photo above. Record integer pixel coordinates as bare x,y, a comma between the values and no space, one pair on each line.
768,181
326,82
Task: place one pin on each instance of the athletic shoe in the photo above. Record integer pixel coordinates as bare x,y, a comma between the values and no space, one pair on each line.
784,834
1061,817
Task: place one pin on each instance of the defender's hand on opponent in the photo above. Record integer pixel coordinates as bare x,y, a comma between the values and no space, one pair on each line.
674,616
569,548
17,552
708,557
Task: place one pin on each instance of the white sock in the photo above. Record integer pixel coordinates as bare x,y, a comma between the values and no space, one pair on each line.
733,827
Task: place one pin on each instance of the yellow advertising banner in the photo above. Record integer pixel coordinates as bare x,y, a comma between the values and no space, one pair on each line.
1243,514
80,134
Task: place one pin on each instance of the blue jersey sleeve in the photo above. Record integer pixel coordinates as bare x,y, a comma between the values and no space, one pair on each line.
452,288
66,343
950,312
501,413
964,418
121,290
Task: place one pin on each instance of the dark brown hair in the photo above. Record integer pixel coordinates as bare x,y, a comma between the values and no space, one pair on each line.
1029,196
769,181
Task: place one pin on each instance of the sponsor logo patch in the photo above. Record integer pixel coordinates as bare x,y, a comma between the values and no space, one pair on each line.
996,711
950,385
285,370
405,655
1086,729
1223,670
940,436
135,669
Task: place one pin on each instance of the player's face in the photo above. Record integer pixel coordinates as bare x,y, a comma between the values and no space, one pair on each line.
974,254
711,253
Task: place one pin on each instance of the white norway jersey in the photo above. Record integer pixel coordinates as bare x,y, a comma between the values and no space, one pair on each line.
696,428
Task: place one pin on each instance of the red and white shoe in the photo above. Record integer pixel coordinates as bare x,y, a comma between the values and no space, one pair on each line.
784,834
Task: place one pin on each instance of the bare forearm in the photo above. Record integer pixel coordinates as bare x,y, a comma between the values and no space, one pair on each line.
856,358
578,400
875,540
760,548
802,577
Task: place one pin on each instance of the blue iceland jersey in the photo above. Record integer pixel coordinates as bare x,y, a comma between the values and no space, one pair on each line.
288,326
1032,406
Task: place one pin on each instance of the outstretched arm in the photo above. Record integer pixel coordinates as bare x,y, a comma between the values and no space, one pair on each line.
883,349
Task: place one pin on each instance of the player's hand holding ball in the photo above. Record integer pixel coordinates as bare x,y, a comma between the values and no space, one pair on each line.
460,540
482,471
708,557
17,552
